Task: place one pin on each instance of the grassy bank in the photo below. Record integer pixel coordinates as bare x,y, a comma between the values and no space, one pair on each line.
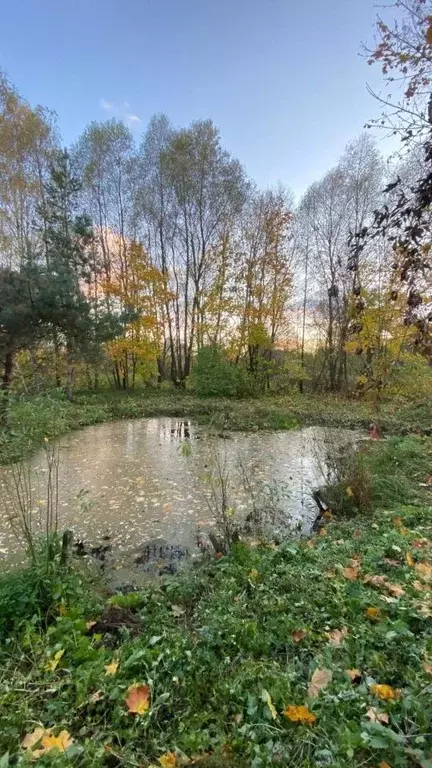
34,418
315,653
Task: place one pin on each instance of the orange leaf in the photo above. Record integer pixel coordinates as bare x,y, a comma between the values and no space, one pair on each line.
383,764
300,714
138,699
429,35
298,635
319,680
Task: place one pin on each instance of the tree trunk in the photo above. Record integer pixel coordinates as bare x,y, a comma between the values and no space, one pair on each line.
5,387
70,371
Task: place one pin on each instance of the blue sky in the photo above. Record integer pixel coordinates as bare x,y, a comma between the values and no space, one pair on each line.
282,80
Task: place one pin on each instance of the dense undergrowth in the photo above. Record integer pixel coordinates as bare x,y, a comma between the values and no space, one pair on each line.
314,653
32,419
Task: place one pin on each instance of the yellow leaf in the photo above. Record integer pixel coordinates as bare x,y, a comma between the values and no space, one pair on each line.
299,714
372,613
409,559
319,680
253,573
138,699
47,742
377,717
349,491
112,668
62,742
52,664
384,692
168,760
268,700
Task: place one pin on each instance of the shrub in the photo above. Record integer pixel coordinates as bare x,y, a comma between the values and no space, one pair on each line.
213,374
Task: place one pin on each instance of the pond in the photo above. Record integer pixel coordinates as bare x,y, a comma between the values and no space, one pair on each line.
142,489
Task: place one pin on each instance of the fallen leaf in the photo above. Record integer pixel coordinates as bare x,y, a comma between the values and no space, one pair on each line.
112,668
268,700
420,543
90,624
62,742
389,561
253,573
409,559
337,636
298,635
168,760
377,717
349,491
31,739
319,680
96,696
177,611
384,692
395,589
167,507
372,613
350,573
424,570
52,664
427,667
419,586
375,580
383,764
47,741
299,714
429,34
354,675
138,699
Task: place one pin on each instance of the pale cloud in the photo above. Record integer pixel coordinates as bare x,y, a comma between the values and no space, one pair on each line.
121,109
107,105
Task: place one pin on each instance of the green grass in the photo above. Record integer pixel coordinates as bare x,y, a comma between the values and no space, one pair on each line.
216,647
34,418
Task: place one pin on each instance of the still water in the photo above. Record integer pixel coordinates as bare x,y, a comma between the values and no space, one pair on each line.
142,482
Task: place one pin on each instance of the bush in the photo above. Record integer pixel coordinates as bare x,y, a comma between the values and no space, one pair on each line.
213,374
